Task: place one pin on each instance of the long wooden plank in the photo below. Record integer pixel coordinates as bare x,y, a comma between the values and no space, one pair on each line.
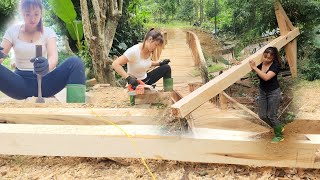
221,82
204,145
285,26
279,9
79,116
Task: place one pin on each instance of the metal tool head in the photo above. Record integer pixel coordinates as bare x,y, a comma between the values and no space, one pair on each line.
40,100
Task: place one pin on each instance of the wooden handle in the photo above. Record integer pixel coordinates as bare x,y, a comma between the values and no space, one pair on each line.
38,50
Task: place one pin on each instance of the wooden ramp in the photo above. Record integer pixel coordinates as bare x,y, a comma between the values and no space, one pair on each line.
185,71
182,63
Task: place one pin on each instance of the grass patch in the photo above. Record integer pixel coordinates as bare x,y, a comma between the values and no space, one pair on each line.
215,68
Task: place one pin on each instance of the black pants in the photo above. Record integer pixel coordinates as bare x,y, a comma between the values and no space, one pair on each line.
156,74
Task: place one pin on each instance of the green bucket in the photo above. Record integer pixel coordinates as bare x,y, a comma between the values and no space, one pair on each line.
76,93
168,84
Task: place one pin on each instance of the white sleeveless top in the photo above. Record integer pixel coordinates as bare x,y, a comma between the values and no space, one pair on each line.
137,66
25,51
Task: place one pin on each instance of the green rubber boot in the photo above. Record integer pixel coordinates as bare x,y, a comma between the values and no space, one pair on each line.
167,84
278,136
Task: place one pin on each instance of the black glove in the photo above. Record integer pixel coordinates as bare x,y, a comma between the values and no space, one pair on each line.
40,65
2,55
163,62
132,81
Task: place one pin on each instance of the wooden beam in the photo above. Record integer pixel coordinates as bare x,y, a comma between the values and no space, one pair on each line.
79,116
280,11
291,54
257,119
226,79
154,142
285,26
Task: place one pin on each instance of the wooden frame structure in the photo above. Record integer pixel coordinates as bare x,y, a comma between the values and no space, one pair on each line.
214,87
89,136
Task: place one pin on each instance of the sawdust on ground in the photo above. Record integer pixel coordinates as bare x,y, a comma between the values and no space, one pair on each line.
31,167
100,97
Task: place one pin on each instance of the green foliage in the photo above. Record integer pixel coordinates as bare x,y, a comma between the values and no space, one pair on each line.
289,117
210,10
130,29
254,78
208,25
170,25
8,6
75,29
6,63
161,10
311,68
87,60
8,9
316,37
186,11
215,68
65,10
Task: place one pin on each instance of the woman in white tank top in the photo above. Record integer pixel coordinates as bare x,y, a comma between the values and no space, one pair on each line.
23,38
138,60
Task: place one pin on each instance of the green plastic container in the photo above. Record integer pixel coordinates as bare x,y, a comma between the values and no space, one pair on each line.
168,84
76,93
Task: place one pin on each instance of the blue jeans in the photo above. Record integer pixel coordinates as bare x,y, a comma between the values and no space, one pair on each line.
23,84
269,103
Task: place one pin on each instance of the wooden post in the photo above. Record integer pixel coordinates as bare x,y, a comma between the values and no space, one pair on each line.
223,101
285,26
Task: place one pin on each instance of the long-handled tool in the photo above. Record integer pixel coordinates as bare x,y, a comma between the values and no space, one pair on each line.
39,99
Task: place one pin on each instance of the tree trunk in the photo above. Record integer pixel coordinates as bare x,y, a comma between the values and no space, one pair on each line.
201,11
99,32
197,9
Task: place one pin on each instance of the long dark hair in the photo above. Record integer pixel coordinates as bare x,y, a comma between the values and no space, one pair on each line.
27,4
156,36
273,51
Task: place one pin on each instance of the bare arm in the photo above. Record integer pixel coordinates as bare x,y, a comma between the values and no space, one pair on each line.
265,76
6,47
155,63
117,66
52,53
